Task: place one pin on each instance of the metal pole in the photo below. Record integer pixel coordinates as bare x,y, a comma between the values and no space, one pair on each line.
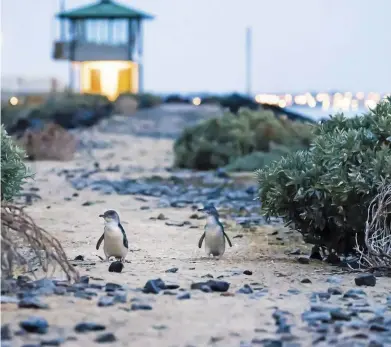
248,59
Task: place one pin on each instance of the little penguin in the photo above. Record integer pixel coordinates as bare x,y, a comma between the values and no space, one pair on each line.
114,237
214,233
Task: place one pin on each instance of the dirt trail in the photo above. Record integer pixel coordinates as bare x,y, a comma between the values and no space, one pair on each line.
206,318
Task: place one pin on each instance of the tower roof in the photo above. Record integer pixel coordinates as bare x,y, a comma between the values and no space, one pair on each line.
104,9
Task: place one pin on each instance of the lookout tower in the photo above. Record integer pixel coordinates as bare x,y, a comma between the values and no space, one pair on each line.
104,43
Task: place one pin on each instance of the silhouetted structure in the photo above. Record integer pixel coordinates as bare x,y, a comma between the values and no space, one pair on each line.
105,41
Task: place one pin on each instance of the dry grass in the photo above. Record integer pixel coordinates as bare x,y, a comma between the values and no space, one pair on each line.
51,143
20,233
378,232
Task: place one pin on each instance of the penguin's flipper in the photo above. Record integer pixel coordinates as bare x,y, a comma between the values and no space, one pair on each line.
100,241
229,241
201,240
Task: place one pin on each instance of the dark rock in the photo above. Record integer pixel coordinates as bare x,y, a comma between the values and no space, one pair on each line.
79,257
334,291
247,272
140,306
106,301
6,334
106,338
215,286
95,286
311,316
169,292
183,296
320,295
116,266
161,216
379,328
303,260
211,276
354,294
84,279
84,295
154,286
53,342
175,224
112,287
171,286
36,325
305,280
60,290
172,270
246,289
365,280
89,326
32,302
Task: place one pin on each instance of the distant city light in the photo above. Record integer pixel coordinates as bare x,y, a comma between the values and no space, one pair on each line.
197,101
14,101
339,101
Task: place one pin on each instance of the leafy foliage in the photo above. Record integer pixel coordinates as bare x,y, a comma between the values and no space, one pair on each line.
220,141
324,192
13,169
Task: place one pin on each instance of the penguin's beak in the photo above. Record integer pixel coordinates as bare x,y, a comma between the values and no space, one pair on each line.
101,215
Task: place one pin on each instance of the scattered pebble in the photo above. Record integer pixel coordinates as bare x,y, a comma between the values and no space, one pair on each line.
34,324
365,280
116,266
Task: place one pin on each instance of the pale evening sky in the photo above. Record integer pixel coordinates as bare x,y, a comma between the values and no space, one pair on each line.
198,45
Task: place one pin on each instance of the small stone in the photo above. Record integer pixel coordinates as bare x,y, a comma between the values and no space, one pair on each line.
354,294
79,257
140,306
365,280
211,276
183,296
60,290
105,301
53,342
305,280
172,270
32,302
84,279
161,216
310,316
106,338
154,286
303,260
6,332
116,266
247,272
36,325
246,289
112,287
88,326
215,286
334,291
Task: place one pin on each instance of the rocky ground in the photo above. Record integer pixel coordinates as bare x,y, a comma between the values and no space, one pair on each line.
265,291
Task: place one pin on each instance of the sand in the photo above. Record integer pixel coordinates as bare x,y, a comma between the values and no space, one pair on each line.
205,319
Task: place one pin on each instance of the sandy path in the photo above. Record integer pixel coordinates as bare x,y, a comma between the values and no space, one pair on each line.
205,319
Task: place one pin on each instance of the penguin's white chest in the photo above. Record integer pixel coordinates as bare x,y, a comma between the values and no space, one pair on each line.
114,242
214,240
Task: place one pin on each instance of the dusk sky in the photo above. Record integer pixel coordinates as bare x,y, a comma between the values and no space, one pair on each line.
198,45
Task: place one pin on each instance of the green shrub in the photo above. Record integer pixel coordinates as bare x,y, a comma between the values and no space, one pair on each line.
220,141
144,100
257,160
13,169
324,192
